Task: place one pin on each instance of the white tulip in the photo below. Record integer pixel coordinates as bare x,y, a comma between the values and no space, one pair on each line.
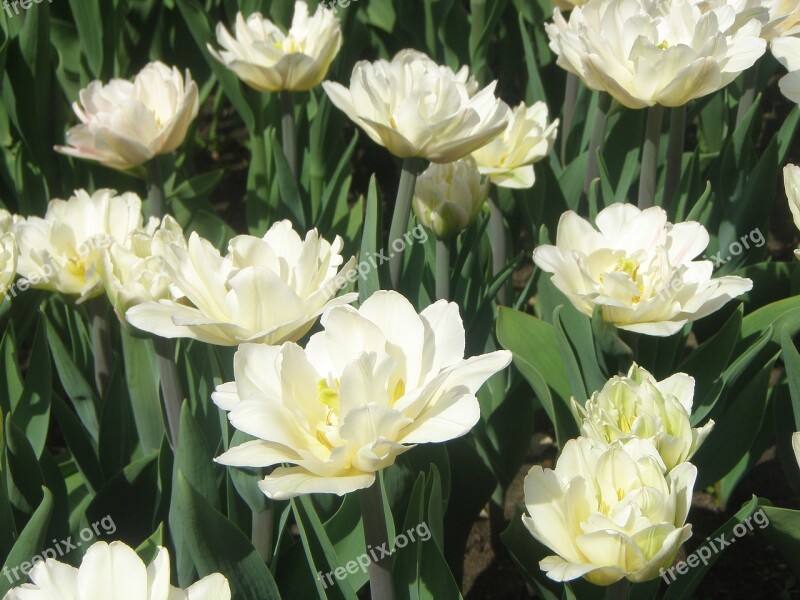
63,251
133,272
375,382
791,181
787,51
639,406
609,511
414,107
114,571
647,52
449,197
638,268
125,124
796,446
508,159
784,19
8,251
268,60
266,290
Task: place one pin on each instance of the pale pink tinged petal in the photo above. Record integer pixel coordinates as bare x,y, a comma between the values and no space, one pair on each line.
285,483
686,241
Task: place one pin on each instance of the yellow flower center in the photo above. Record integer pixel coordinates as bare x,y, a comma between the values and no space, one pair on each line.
630,267
663,45
329,396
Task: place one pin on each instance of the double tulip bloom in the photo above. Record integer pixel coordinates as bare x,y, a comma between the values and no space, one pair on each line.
8,251
508,159
647,52
609,511
63,251
269,60
637,268
133,272
265,290
125,124
638,406
114,571
417,108
375,382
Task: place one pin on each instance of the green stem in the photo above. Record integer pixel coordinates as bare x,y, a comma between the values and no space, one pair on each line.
618,590
677,135
749,81
170,385
442,269
478,23
499,251
289,131
376,535
165,349
155,190
649,172
101,343
262,532
402,211
595,145
570,96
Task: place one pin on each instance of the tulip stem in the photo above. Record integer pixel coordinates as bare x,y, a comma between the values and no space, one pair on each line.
677,135
155,190
618,590
165,350
101,344
289,131
499,255
570,97
262,532
595,145
749,81
402,211
442,270
649,172
376,535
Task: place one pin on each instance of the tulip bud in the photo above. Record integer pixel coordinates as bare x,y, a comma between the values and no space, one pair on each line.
449,197
791,181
